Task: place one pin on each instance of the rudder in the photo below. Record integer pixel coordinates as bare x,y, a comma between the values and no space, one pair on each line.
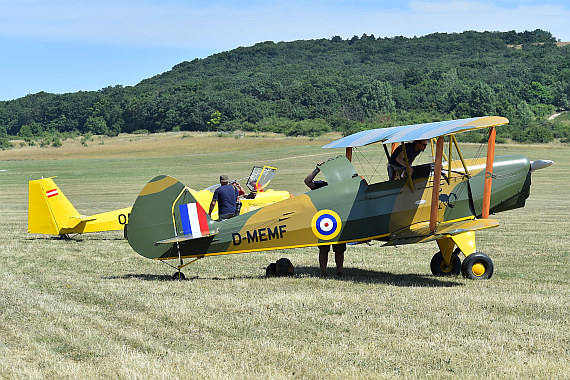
48,207
156,216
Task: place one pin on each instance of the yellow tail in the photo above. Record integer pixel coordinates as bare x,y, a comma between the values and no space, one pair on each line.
48,208
51,213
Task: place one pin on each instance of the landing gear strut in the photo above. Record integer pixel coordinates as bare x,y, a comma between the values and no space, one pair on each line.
178,275
440,268
476,266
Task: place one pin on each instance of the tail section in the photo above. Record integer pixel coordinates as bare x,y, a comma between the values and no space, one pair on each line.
164,213
48,208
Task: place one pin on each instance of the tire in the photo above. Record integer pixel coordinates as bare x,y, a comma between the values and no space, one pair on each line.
477,266
438,267
179,276
271,270
284,267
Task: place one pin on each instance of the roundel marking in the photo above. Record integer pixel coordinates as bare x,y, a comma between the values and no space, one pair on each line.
326,224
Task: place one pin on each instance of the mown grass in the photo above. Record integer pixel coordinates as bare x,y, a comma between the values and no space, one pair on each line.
93,308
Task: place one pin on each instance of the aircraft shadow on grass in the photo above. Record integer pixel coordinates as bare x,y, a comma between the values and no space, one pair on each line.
354,275
357,275
165,277
75,239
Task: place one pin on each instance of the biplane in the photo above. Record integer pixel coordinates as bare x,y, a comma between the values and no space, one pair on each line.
445,201
51,213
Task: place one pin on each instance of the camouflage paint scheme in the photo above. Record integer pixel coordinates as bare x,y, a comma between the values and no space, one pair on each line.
350,210
387,211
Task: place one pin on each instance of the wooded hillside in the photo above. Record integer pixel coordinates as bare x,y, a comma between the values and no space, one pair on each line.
311,87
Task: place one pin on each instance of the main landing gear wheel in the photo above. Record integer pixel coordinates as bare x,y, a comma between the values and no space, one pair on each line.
439,268
477,266
179,276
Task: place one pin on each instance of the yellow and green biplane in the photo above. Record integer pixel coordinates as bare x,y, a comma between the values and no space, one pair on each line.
51,213
445,201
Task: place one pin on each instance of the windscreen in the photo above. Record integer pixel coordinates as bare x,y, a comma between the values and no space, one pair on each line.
260,176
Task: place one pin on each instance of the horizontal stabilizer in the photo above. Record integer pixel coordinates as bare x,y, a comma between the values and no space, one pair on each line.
182,238
73,221
420,233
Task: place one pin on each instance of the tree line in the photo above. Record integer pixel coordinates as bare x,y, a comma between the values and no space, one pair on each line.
310,87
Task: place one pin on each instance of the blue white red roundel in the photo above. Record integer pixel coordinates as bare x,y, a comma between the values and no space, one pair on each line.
326,224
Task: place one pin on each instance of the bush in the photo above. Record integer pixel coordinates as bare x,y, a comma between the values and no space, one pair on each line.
55,141
476,137
310,127
539,134
5,143
86,137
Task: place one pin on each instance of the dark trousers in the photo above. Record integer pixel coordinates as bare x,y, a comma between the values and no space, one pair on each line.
226,216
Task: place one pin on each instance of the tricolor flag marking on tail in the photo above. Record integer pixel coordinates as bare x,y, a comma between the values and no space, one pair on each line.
194,221
51,193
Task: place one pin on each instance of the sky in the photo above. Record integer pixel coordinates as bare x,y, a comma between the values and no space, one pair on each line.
61,46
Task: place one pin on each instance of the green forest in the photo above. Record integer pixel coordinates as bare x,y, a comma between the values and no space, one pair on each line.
310,87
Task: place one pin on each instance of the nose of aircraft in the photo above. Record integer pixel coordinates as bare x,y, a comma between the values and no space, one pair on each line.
540,164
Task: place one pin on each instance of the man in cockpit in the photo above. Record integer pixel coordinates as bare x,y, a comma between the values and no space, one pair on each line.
397,164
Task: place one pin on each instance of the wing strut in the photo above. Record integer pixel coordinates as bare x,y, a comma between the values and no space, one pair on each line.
489,173
349,153
460,155
436,185
408,171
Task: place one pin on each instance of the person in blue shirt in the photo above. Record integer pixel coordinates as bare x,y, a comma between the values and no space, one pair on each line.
338,249
226,196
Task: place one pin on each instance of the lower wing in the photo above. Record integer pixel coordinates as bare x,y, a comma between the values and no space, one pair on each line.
420,232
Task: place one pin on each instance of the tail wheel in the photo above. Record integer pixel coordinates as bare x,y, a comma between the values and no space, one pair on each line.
477,266
440,268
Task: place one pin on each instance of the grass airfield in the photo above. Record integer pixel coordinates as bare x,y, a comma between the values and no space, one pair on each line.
93,308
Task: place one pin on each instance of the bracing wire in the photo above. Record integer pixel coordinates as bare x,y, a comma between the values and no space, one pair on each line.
361,158
473,160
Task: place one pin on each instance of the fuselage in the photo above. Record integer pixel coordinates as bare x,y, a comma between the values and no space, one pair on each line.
352,210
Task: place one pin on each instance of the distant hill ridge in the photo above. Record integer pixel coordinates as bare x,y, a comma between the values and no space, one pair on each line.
310,87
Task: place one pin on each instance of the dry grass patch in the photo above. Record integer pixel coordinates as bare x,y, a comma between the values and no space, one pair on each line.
169,144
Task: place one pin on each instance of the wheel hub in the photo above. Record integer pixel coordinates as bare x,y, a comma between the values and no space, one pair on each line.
478,269
445,268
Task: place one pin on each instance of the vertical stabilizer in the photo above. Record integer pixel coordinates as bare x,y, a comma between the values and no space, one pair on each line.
164,210
48,207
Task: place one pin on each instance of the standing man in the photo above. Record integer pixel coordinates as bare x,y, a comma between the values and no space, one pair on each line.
398,164
227,196
324,249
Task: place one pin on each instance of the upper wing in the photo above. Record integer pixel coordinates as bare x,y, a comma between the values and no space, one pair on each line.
416,131
420,233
